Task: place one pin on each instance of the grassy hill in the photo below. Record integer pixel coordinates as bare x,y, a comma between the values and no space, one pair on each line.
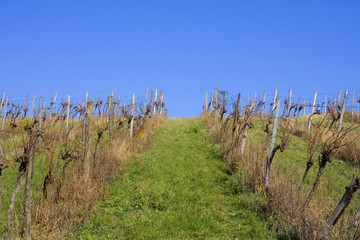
178,188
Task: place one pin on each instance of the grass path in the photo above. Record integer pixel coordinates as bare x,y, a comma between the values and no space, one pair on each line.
177,189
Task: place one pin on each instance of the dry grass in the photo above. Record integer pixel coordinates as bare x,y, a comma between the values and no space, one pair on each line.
70,193
286,196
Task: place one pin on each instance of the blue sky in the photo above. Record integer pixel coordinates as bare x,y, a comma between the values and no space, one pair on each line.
184,48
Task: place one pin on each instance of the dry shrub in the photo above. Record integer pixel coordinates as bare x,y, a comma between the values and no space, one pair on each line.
350,153
286,197
70,197
213,125
351,118
299,132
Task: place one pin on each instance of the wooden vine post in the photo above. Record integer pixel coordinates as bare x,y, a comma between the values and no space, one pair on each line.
289,104
311,115
304,112
86,98
52,105
216,101
2,102
342,111
67,112
147,90
154,108
149,108
342,205
205,102
212,101
132,115
111,119
87,146
263,105
162,104
32,106
5,113
236,112
246,126
159,103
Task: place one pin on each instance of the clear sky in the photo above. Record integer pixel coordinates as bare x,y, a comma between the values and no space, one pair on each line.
183,47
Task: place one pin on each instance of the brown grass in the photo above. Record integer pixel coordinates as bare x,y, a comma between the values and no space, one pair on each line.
71,196
286,196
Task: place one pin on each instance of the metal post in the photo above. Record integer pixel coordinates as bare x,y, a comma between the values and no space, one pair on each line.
273,137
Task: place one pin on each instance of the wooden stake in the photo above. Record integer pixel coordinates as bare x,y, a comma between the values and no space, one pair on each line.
111,118
23,115
159,102
86,99
98,104
289,104
87,146
118,107
236,113
216,102
147,89
311,115
154,109
151,100
67,113
5,113
44,111
304,108
247,104
32,106
2,102
342,112
338,103
52,105
162,104
132,115
263,104
342,205
253,102
246,126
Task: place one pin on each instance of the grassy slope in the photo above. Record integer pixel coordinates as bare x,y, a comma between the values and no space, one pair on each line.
292,162
177,189
10,174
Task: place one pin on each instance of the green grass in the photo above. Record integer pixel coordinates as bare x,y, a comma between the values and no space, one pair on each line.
177,189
